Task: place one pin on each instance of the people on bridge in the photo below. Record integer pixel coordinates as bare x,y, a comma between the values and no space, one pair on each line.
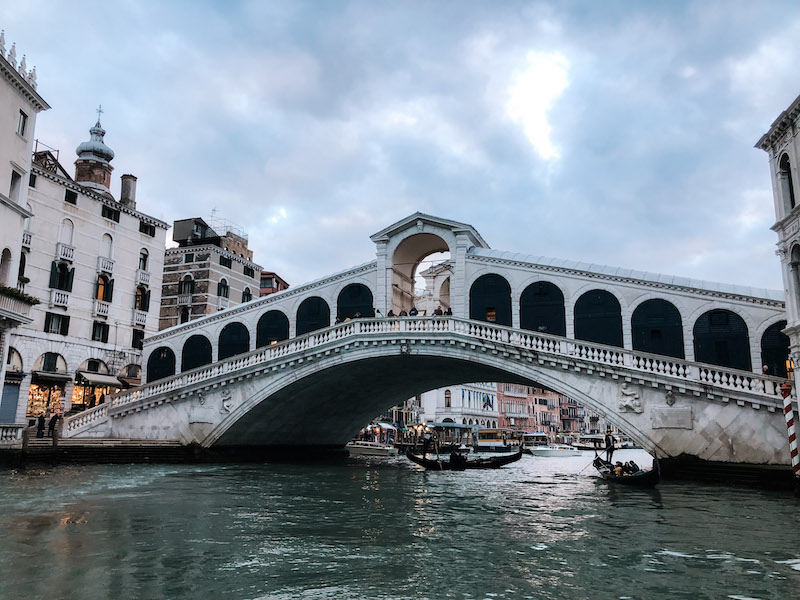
438,312
390,313
448,312
40,425
403,313
413,312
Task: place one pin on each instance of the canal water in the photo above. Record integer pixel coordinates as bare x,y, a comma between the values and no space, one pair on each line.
383,528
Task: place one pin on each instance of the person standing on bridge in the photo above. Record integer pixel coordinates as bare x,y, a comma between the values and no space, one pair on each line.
413,312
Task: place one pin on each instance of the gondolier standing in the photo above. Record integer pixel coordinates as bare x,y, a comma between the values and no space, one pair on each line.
609,445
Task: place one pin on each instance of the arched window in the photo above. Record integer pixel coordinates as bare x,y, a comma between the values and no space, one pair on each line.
160,364
26,224
144,258
186,285
785,180
246,295
448,398
196,353
142,299
105,288
490,300
541,308
598,318
273,326
657,328
223,290
312,314
775,350
61,276
106,246
721,338
184,315
355,299
65,234
5,267
233,339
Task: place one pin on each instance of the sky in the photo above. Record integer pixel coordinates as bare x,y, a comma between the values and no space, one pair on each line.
616,133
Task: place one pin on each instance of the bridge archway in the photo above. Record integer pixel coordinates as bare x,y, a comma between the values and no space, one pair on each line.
490,299
161,364
408,255
721,338
196,353
312,314
233,339
598,318
354,299
541,308
272,326
775,350
656,327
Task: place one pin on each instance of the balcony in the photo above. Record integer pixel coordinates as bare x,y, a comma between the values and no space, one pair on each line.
105,265
65,252
59,298
222,303
139,318
184,299
14,308
27,236
142,277
101,308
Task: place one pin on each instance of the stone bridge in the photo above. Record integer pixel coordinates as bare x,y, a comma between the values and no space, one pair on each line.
675,363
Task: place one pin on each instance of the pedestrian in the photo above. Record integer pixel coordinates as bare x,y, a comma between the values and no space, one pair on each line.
390,313
403,313
377,313
448,312
40,425
609,439
52,424
413,312
765,370
438,312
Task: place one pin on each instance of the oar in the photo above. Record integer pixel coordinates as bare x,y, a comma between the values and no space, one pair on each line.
587,466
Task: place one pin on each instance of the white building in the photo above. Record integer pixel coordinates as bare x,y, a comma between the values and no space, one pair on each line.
95,263
464,404
19,105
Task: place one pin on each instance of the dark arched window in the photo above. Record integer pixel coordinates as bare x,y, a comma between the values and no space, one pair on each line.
196,353
186,285
354,299
105,288
314,313
541,308
223,291
775,350
234,339
273,326
721,338
598,318
657,328
490,300
142,301
448,399
160,364
246,295
184,315
785,180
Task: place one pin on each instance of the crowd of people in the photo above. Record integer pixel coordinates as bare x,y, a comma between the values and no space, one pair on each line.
438,312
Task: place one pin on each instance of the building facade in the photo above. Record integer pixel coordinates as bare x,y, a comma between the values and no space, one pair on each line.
211,269
271,283
95,263
465,404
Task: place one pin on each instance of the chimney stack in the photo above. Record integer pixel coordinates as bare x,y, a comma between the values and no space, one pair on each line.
127,196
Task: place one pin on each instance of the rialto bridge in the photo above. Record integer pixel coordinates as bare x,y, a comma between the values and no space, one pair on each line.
676,363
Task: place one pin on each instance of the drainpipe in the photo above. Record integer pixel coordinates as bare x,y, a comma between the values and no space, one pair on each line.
788,412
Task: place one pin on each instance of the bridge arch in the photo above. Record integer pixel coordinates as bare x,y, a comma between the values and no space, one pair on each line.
490,299
542,308
721,337
407,250
775,350
233,339
272,326
355,298
196,352
312,314
598,318
160,364
657,328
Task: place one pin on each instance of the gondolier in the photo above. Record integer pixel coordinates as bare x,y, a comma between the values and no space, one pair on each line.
609,439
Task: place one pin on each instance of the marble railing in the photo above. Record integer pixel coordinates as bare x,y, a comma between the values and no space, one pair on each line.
82,419
10,434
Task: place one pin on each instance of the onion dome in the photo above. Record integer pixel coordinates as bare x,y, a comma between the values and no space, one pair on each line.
95,148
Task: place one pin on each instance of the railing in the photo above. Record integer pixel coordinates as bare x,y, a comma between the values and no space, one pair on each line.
105,265
142,277
84,418
10,434
65,252
705,375
9,304
139,317
101,308
27,237
184,299
59,298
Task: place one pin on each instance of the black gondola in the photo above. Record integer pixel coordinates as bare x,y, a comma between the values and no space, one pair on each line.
459,462
640,478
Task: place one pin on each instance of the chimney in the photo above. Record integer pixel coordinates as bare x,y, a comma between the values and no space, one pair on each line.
127,196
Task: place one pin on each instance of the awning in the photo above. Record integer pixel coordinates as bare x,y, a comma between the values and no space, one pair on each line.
385,426
98,379
51,376
131,381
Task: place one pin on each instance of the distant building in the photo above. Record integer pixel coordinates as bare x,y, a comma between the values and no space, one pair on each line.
465,404
437,289
271,283
211,269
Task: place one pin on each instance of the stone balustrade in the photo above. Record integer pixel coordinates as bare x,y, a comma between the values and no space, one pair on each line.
75,423
105,265
139,317
10,434
184,299
142,277
27,238
59,298
101,308
9,304
65,252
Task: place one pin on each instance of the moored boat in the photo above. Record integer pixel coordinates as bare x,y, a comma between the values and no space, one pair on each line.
458,462
555,450
363,448
533,440
640,478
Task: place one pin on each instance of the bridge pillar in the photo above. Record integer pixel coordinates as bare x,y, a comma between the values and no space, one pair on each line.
459,294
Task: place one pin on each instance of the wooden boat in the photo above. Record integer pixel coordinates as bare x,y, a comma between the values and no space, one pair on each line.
459,462
640,478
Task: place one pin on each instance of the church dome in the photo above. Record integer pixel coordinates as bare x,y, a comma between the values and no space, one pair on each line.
95,148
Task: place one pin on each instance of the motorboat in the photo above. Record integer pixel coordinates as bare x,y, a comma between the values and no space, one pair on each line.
533,440
555,450
363,448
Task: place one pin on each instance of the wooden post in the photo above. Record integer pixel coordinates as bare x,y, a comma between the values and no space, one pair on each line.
788,412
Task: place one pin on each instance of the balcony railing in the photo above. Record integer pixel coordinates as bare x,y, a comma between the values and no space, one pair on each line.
184,299
65,252
105,265
101,308
59,298
142,277
222,303
27,236
139,317
9,304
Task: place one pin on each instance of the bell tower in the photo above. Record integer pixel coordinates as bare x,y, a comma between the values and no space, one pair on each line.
93,167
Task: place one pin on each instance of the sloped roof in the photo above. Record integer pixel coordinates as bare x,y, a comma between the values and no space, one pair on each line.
411,220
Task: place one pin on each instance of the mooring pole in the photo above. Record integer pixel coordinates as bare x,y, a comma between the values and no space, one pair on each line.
788,413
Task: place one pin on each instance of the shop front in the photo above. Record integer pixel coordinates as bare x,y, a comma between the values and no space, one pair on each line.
46,394
90,389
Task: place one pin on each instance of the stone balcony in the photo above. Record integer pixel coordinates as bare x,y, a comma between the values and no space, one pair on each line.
101,308
14,309
142,277
139,318
105,265
59,298
65,252
27,237
184,299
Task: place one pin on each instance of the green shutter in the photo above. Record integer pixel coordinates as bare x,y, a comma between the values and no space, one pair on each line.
109,291
104,335
65,323
48,317
53,274
146,301
70,278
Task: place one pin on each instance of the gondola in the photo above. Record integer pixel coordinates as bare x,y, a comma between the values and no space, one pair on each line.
640,478
459,462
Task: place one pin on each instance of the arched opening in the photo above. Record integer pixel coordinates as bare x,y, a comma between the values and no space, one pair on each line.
142,301
721,338
5,266
106,246
186,285
448,399
354,300
312,314
104,289
161,364
65,234
246,295
657,328
490,300
409,285
233,339
196,353
775,350
184,315
272,327
541,308
223,291
786,185
598,318
794,268
144,259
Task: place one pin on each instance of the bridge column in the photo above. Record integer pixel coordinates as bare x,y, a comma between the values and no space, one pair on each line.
384,280
459,294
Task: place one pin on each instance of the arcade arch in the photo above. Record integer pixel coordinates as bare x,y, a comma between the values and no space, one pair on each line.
161,364
355,299
312,314
272,327
407,257
541,308
657,328
721,338
598,318
233,339
490,300
775,350
196,353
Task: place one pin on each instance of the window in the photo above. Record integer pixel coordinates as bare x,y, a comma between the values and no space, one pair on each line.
55,323
147,229
105,288
32,180
99,332
185,315
22,124
222,289
143,256
246,295
93,366
225,261
187,285
110,213
61,276
138,339
142,300
447,398
50,362
187,258
106,245
70,197
16,180
249,271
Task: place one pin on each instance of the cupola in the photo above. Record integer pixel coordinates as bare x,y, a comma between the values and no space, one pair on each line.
93,168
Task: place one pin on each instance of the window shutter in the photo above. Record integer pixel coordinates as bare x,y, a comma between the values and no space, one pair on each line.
104,333
70,278
48,318
53,274
109,291
146,303
65,322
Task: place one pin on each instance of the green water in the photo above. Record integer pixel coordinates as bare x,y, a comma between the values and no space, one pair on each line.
383,528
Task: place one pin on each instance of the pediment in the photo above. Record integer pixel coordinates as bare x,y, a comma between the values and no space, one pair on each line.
427,223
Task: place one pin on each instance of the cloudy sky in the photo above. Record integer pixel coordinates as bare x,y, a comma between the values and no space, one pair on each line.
618,133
